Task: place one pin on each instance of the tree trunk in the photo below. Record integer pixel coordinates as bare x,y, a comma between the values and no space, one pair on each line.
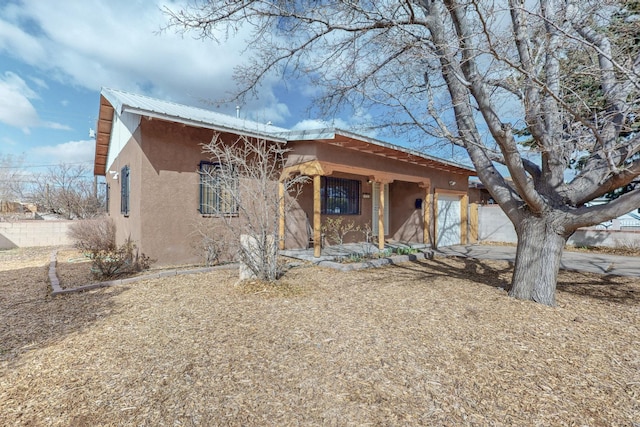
537,261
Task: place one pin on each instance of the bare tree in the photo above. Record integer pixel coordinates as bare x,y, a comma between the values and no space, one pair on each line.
68,191
476,74
12,178
241,191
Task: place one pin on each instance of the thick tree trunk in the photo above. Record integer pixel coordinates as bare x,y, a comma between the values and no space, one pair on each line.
537,261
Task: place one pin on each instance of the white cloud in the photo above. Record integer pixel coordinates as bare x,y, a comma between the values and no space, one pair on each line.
15,105
93,43
312,124
7,141
67,152
358,123
16,108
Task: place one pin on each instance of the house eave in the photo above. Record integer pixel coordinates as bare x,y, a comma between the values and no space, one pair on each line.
366,144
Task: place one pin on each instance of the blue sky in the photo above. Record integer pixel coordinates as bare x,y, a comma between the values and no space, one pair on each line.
56,55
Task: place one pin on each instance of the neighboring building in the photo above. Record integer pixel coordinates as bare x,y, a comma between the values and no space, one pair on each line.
479,194
627,222
151,150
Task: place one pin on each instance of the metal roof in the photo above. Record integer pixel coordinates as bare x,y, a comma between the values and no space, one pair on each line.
121,101
152,107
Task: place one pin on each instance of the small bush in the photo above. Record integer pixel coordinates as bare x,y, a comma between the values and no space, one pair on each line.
94,235
336,229
97,239
122,261
212,242
406,251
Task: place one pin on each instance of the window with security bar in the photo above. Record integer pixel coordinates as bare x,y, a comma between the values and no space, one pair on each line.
340,196
124,191
218,189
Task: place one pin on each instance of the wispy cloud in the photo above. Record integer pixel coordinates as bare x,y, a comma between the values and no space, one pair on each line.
93,43
67,152
16,108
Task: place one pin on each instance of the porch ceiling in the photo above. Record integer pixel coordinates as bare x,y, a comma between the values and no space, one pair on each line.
365,144
396,154
322,168
105,120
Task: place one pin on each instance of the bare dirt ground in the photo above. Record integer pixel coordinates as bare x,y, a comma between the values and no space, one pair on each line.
433,343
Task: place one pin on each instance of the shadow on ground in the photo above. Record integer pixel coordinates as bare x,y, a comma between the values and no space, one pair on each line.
494,274
607,288
497,274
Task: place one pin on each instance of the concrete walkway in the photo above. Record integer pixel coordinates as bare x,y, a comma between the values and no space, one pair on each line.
573,261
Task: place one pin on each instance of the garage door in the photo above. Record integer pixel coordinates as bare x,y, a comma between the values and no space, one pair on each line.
448,221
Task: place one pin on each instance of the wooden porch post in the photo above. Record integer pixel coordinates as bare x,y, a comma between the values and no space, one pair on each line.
464,219
317,237
381,230
473,223
426,225
281,225
434,203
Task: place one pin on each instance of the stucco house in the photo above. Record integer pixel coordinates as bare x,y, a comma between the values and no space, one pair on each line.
150,152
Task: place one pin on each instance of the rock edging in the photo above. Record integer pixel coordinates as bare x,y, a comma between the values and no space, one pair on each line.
57,289
395,259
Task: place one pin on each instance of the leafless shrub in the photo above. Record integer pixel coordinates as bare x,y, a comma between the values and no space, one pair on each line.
122,261
97,239
243,182
336,229
94,235
213,242
627,245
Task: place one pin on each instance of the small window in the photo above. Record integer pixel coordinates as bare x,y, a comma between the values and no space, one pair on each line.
124,191
107,197
340,196
218,189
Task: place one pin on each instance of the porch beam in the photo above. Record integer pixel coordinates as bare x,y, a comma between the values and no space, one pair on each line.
318,167
311,168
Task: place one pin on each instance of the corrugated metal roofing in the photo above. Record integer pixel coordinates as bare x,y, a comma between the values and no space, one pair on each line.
152,107
143,105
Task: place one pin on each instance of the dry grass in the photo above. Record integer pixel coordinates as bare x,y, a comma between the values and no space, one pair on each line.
426,343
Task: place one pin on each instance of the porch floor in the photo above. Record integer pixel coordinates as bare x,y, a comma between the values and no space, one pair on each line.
334,252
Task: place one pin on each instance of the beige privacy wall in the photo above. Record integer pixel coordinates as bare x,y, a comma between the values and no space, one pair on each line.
494,226
23,234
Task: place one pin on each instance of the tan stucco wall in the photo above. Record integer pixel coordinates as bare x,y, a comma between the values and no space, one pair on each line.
163,158
405,220
305,203
164,192
126,226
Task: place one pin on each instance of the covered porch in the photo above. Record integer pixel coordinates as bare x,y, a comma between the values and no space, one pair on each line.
398,190
376,210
